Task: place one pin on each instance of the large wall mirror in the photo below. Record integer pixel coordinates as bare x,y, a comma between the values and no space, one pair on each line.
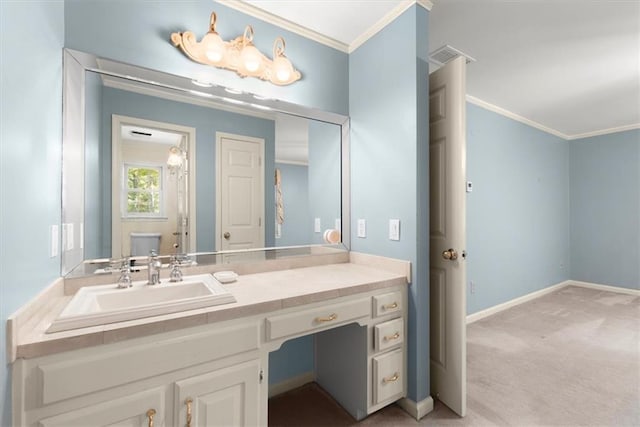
162,162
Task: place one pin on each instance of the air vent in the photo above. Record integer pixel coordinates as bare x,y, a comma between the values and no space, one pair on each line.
446,53
137,132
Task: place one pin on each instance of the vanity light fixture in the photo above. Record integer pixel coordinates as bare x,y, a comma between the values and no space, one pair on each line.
239,55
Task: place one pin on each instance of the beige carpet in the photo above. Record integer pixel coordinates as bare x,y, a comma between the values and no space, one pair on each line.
568,358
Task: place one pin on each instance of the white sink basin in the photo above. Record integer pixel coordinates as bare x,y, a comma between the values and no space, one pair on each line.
99,305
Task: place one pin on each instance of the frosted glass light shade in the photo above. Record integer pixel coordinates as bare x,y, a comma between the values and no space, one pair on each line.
282,69
251,58
214,47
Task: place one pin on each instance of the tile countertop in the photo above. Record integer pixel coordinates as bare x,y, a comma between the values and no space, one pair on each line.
255,294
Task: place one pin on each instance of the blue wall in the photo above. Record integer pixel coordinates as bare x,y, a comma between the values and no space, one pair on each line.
324,176
388,95
605,209
297,227
518,212
207,122
95,213
30,158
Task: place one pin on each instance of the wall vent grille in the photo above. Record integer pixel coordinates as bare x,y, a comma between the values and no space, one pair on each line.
446,53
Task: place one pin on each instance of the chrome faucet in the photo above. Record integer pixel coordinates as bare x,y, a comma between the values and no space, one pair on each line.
154,265
176,273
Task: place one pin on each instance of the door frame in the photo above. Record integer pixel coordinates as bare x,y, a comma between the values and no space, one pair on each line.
218,163
189,133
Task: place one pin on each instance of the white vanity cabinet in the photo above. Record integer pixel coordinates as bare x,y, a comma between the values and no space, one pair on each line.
215,373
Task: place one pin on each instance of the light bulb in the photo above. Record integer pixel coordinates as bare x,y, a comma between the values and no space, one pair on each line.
251,58
282,69
214,48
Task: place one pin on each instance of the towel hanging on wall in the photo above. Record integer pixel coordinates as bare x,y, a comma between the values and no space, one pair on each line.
279,202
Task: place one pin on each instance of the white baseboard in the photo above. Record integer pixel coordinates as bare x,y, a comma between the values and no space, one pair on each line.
537,294
608,288
416,409
291,384
516,301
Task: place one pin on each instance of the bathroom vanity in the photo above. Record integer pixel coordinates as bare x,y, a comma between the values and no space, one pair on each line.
209,366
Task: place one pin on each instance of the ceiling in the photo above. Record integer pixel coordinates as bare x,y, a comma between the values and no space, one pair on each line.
569,67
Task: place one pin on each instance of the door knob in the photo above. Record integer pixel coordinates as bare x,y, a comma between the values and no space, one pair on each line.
450,254
226,235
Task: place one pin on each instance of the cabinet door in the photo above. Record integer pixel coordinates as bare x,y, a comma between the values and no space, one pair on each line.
138,410
225,397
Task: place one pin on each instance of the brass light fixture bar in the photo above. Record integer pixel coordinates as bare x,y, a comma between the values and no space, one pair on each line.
239,55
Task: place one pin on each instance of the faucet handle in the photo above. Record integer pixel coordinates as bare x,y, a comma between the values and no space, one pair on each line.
176,274
124,281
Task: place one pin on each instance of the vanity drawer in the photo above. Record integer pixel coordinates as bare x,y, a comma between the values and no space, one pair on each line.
387,304
388,376
388,334
316,318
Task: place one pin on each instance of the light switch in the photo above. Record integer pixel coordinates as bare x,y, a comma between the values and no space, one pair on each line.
338,225
362,228
55,236
317,227
469,186
394,229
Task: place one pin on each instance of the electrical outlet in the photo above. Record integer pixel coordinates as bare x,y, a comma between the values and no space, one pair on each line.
338,225
317,227
362,228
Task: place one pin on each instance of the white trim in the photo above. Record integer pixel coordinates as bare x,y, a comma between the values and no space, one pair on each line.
607,288
285,24
383,22
516,301
291,384
537,294
491,107
604,131
292,162
256,12
416,410
514,116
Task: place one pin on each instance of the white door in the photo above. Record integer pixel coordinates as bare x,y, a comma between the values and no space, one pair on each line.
240,192
226,397
447,164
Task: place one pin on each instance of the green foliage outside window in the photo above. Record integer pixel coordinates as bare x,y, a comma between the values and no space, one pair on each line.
143,190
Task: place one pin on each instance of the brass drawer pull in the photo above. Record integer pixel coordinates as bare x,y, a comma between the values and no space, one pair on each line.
394,378
390,306
188,402
150,414
392,337
327,319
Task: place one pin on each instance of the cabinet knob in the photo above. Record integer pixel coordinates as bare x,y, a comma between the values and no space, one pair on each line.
392,337
150,414
188,402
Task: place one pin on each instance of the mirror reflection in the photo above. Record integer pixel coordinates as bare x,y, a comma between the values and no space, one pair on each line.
177,172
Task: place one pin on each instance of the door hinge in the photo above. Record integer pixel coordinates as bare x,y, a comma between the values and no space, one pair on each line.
261,376
259,161
260,222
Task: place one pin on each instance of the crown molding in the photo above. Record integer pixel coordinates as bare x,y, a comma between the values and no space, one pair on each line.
604,131
518,118
263,15
386,20
514,116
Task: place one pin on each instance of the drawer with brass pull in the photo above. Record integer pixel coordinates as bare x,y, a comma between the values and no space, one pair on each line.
387,304
316,318
388,334
388,376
